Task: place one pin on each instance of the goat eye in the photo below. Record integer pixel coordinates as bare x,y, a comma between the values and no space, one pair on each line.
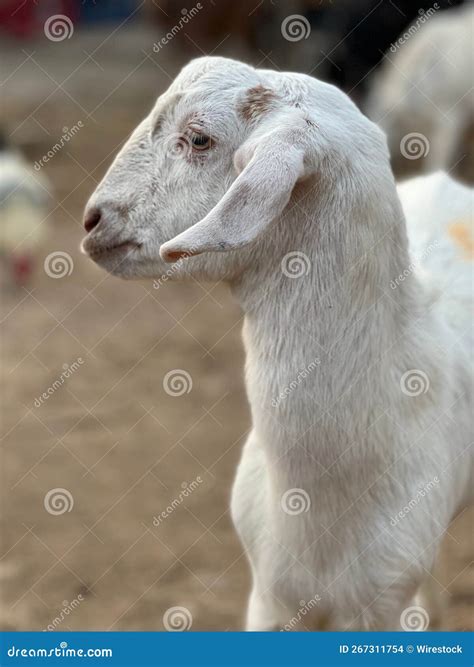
200,141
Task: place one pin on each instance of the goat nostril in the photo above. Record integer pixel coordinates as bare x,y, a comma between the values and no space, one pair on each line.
92,219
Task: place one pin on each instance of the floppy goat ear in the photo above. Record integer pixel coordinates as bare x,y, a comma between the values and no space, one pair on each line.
270,164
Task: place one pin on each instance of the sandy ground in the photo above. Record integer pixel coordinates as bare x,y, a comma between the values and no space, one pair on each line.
111,436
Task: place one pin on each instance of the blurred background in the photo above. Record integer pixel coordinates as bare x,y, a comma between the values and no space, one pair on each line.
124,410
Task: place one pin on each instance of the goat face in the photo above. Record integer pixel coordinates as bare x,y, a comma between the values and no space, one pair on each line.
211,167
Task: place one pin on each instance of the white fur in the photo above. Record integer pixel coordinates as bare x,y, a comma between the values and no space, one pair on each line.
326,351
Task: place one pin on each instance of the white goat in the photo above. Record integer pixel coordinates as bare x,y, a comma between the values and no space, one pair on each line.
422,96
24,199
299,212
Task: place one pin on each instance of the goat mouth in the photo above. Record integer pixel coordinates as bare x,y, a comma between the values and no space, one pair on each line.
98,252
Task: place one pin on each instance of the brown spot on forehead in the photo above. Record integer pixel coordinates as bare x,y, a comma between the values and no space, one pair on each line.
258,100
